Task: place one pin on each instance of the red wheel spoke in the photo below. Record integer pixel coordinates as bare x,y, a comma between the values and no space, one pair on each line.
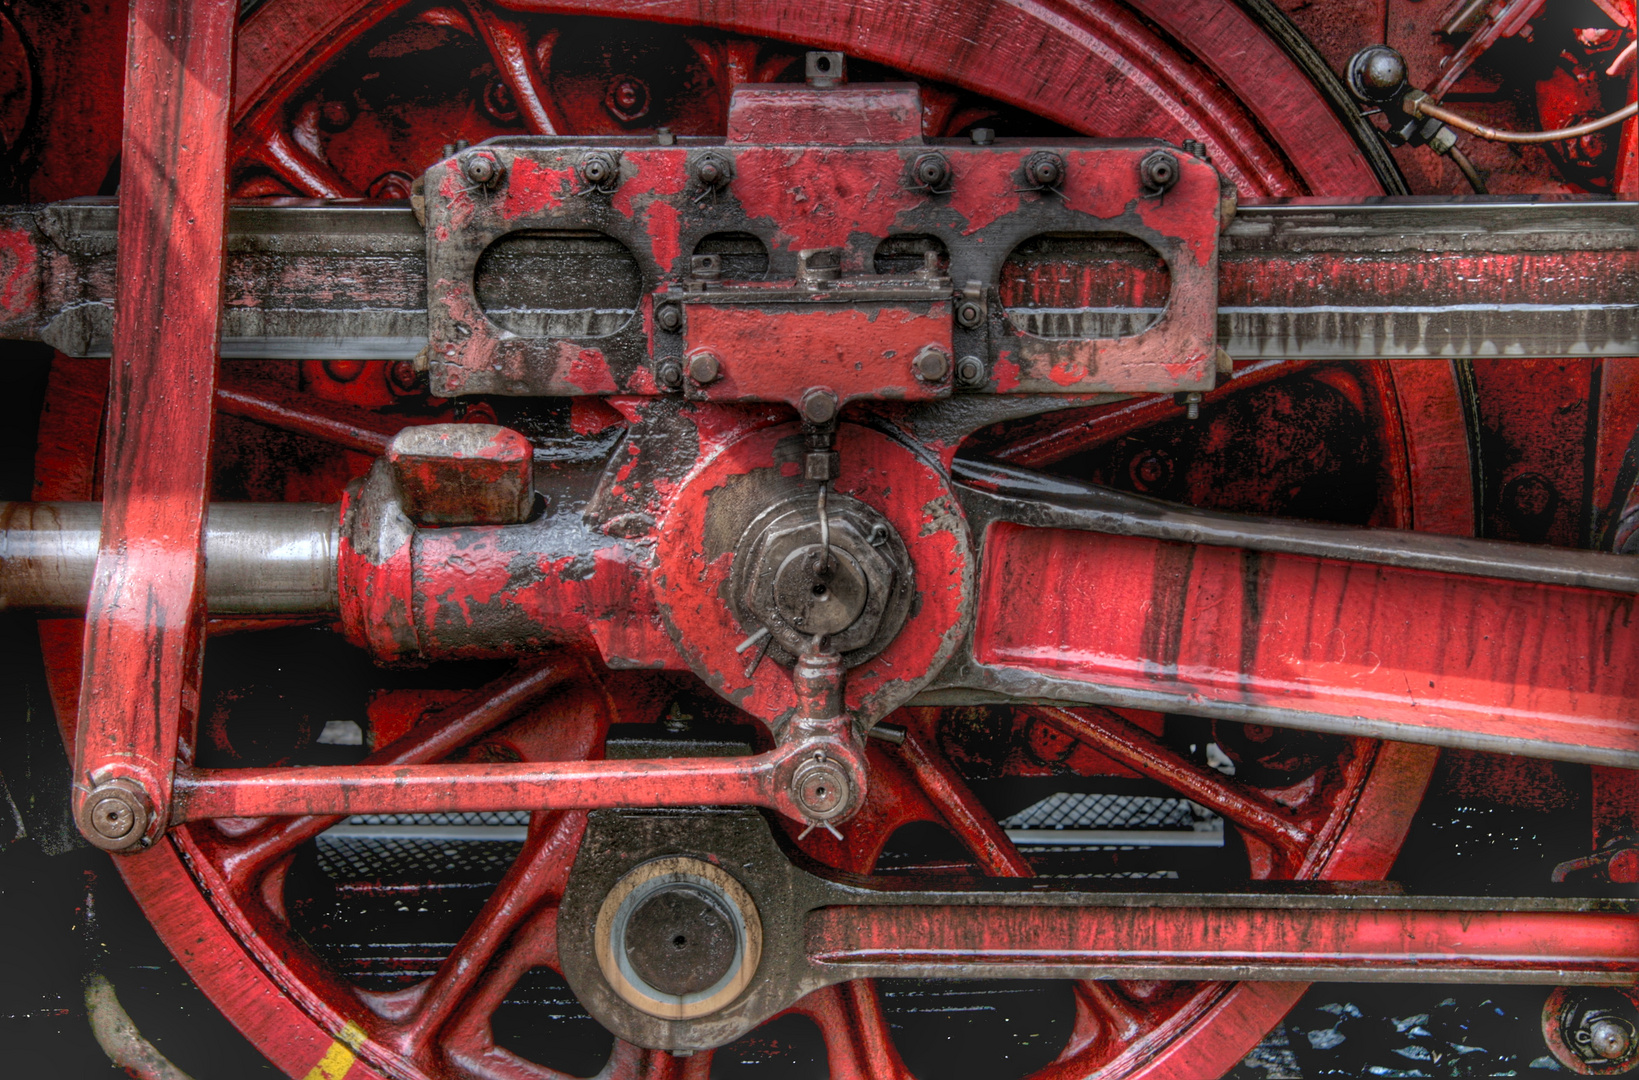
540,870
1144,753
299,167
1106,1019
1044,441
435,735
508,43
968,819
855,1031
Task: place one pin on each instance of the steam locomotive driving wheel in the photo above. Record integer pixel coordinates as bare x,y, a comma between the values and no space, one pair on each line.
828,504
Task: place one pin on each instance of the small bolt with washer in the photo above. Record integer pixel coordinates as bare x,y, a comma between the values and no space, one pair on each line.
668,316
704,367
931,173
1158,171
970,371
482,169
670,375
1043,171
599,171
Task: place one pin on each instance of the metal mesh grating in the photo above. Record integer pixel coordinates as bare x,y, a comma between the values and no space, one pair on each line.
1077,810
501,817
348,858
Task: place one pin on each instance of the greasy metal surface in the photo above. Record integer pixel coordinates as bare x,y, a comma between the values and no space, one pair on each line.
1401,277
260,558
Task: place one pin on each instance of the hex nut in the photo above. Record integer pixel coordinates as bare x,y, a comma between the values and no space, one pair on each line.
1158,171
932,364
704,367
790,528
668,315
969,315
482,168
713,171
931,173
970,371
599,170
819,406
670,375
820,788
1043,169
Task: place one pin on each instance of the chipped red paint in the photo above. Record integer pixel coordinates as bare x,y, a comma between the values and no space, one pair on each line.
858,352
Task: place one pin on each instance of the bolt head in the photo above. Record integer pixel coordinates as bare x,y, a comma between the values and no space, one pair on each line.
482,168
982,136
599,170
402,377
704,367
932,364
709,172
819,406
1609,1038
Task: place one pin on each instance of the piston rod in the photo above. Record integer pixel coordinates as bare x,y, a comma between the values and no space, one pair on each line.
260,558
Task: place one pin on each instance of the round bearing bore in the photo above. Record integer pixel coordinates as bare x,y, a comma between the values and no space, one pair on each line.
678,938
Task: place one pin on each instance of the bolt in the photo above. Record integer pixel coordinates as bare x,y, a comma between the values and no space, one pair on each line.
482,168
1158,171
970,371
499,102
598,169
402,377
627,99
713,171
1150,470
669,316
115,815
1609,1038
704,367
932,364
670,374
969,314
1044,169
344,371
982,136
819,406
825,69
931,173
1191,401
336,115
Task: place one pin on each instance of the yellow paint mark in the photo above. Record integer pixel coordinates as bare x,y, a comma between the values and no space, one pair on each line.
338,1060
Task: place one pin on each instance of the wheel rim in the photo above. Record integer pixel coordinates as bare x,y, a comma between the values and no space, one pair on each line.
296,1012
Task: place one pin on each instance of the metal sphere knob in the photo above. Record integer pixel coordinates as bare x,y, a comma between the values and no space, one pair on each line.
1377,73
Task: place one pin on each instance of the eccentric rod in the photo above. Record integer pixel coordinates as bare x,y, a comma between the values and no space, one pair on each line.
260,558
